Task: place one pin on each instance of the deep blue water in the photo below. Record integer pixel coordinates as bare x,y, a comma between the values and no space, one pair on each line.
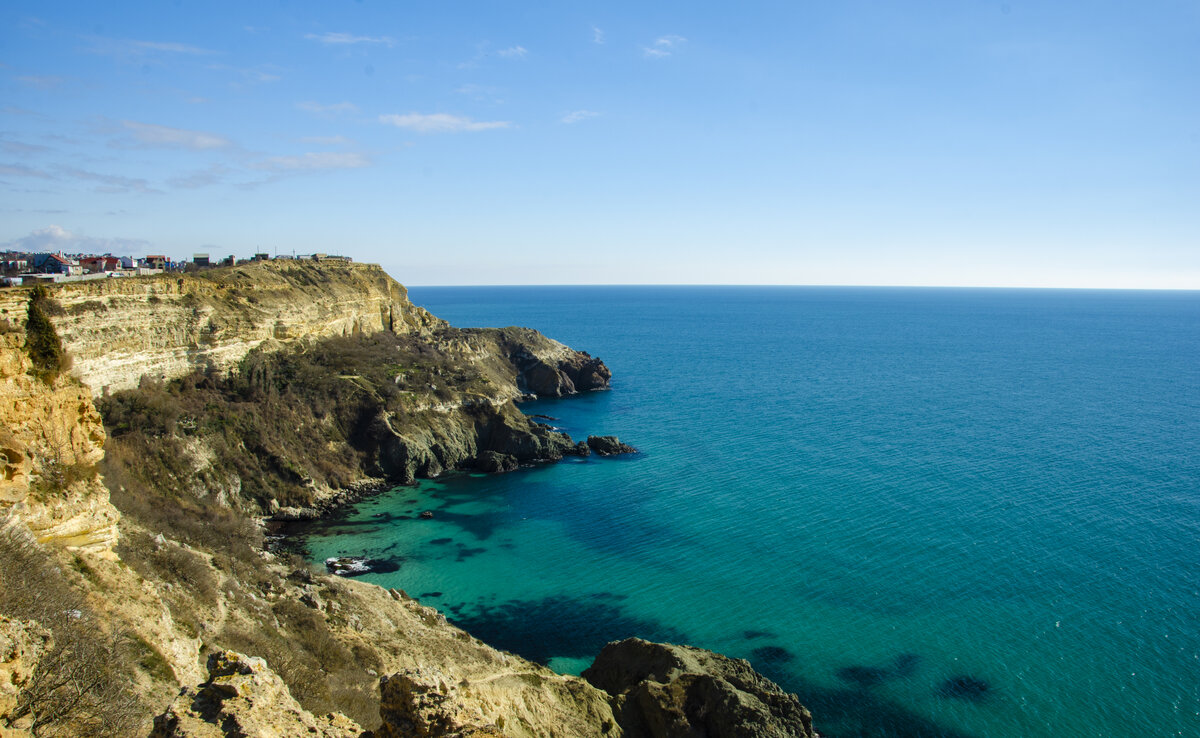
930,512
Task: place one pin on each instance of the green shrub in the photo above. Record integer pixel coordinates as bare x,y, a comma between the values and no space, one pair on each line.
41,339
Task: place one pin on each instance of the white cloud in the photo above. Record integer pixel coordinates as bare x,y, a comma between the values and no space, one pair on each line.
316,107
440,123
663,46
330,38
57,238
148,134
513,52
597,35
578,115
314,161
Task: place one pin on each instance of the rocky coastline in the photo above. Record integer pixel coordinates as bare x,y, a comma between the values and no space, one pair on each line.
282,393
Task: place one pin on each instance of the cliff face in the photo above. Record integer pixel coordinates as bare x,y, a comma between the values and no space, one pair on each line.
165,326
51,438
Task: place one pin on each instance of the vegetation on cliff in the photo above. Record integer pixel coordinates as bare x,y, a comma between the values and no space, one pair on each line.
81,685
288,427
41,338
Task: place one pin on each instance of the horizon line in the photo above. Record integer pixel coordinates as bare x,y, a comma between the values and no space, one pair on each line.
817,286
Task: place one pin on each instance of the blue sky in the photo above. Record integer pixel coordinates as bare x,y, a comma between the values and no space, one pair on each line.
923,143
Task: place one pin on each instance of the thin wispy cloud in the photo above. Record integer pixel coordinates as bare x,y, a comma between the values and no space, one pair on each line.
20,147
258,76
171,47
663,46
20,170
155,136
123,47
110,183
330,38
311,106
513,52
41,81
578,115
57,238
317,161
213,175
597,35
441,123
326,140
261,74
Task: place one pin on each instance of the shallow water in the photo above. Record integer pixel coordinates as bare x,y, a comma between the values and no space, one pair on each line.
928,512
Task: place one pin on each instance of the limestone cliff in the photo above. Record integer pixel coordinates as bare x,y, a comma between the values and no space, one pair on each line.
51,438
165,326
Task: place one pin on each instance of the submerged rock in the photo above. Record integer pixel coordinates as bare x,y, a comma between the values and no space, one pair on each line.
609,446
660,691
964,687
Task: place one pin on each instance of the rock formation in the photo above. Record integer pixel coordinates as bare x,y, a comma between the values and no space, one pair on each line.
243,697
666,691
51,438
609,446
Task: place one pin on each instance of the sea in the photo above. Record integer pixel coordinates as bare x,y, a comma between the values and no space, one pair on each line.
927,512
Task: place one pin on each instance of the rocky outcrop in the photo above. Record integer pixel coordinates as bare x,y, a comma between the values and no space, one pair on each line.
243,697
664,691
51,438
484,437
609,446
549,369
418,703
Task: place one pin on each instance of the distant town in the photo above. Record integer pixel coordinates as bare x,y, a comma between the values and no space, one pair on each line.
20,268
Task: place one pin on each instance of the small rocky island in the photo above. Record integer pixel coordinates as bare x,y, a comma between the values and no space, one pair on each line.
151,424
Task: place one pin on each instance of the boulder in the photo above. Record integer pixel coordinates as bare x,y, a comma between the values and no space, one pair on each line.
609,446
666,691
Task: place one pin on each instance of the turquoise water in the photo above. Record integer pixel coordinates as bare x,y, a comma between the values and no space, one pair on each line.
927,512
